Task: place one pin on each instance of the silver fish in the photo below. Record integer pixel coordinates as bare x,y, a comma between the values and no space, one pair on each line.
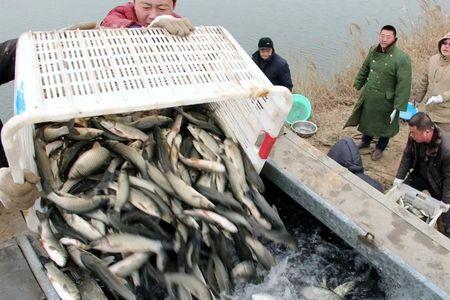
212,217
190,283
63,285
187,194
109,279
128,265
89,162
52,246
76,204
262,254
123,130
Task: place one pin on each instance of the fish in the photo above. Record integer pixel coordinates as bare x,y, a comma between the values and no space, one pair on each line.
68,156
149,122
162,155
243,271
123,190
63,285
323,292
203,164
200,123
124,242
264,257
83,133
203,136
131,155
219,198
188,194
82,226
90,290
122,130
212,217
190,283
174,130
52,246
96,266
129,264
51,133
76,204
44,166
50,148
89,162
252,176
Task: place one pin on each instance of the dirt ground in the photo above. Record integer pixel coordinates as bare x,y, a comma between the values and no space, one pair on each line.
330,130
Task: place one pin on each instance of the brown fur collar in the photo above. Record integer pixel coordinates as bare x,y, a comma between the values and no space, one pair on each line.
436,141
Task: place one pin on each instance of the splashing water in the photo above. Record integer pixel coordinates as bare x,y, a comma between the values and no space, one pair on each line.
321,256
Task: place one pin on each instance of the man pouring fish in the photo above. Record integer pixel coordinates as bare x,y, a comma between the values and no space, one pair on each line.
139,13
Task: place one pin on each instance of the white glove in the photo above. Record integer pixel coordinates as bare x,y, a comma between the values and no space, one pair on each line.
81,26
397,182
176,26
435,100
394,112
18,196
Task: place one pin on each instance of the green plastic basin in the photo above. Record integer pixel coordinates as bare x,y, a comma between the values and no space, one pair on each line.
301,109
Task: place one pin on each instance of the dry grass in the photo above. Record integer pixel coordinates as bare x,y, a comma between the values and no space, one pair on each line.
417,38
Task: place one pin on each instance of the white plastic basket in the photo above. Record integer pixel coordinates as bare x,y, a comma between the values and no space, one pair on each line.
66,74
419,200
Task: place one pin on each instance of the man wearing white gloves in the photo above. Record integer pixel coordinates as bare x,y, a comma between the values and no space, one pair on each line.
427,153
148,13
385,83
434,86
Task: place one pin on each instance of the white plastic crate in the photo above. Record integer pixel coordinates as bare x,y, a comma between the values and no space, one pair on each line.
67,74
419,200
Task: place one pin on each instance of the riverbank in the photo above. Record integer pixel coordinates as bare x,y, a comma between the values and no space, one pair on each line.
333,99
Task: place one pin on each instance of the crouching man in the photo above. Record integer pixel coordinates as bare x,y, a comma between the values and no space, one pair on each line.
427,155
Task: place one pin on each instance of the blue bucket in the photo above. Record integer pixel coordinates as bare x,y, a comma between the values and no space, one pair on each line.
410,111
301,109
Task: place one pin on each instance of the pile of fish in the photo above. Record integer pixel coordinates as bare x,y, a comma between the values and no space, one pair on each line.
145,206
420,213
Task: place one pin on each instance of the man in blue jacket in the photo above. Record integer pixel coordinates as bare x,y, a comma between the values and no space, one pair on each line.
273,66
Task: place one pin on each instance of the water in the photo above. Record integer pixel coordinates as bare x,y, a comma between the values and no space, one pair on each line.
307,30
321,256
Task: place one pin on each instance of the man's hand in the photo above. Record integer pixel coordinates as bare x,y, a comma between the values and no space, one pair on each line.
394,112
176,26
18,196
435,100
397,182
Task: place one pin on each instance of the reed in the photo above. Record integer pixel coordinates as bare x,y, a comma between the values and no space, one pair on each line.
418,38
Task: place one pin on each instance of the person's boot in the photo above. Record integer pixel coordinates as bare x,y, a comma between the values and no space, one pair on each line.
377,154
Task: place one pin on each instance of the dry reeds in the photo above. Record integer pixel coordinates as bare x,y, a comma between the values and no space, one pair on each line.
417,38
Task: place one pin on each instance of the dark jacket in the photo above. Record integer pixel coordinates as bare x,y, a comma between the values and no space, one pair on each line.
7,69
346,153
430,161
7,60
275,68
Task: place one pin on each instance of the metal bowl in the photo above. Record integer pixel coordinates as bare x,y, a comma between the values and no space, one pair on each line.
304,129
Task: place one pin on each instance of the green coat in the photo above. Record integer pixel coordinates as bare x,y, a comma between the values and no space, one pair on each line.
385,83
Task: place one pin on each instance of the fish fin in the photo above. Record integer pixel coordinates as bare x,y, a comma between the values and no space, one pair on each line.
72,129
345,288
108,260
